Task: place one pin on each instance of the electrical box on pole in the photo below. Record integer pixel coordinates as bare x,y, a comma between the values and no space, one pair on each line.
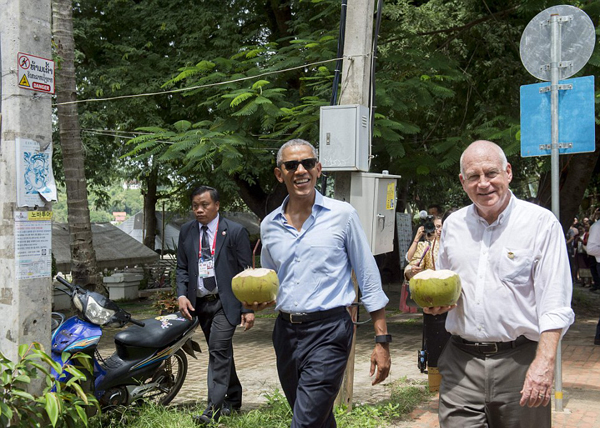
374,198
344,138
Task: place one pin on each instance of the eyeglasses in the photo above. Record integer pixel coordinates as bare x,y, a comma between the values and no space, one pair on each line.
308,164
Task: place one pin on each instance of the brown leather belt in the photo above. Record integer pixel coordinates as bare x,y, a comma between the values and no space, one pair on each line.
303,317
489,347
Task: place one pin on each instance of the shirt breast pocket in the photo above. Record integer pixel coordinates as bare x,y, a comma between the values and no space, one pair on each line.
515,266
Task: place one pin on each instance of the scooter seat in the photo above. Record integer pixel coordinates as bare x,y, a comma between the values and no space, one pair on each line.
157,332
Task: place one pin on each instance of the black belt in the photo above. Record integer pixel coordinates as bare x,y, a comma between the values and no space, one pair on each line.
489,347
299,318
209,297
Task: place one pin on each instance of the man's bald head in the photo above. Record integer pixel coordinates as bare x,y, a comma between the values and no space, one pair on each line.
480,147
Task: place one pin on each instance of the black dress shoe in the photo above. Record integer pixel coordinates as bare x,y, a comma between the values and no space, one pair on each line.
229,409
202,420
209,417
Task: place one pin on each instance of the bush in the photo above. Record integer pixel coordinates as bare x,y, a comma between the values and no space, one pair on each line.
63,402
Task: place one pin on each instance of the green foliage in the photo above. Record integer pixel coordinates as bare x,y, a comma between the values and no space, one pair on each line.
447,72
63,402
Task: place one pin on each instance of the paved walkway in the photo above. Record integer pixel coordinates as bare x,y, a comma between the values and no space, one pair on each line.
255,361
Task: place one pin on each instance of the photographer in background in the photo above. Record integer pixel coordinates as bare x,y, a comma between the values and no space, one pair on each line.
434,332
425,233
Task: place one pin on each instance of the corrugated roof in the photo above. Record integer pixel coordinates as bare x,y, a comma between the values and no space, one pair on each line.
114,248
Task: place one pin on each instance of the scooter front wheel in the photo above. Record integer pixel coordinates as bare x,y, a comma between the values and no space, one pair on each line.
169,379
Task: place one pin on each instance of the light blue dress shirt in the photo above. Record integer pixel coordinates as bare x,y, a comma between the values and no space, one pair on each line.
314,265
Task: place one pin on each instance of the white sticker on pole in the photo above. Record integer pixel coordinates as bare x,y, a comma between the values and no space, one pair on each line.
35,73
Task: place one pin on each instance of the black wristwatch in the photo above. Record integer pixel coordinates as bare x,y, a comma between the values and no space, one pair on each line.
383,338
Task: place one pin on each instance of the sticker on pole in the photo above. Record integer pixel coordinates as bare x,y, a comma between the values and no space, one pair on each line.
35,73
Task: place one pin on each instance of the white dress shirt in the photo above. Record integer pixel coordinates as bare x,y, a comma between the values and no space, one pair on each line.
593,241
212,228
514,272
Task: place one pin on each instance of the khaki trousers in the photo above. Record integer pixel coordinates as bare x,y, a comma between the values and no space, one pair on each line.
483,390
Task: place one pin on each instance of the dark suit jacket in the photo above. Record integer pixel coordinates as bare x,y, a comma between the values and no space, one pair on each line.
232,255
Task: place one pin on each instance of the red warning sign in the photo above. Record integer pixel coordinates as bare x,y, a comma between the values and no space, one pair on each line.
35,73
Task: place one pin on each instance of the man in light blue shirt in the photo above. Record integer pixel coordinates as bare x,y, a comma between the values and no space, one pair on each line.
313,243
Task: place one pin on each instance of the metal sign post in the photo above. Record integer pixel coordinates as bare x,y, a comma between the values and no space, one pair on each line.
550,33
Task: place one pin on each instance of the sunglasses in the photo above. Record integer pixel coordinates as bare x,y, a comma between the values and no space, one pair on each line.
308,164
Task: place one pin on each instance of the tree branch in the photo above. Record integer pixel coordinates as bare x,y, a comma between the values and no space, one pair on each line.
459,28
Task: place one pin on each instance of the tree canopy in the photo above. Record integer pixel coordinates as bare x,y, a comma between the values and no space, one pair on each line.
447,73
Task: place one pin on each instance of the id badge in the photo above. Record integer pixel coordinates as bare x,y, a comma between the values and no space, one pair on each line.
210,265
203,270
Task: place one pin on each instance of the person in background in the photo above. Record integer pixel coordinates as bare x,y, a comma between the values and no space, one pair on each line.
593,249
421,233
515,304
571,237
582,267
211,251
434,333
435,210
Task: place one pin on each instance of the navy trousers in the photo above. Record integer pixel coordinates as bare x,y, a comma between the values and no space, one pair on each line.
311,359
223,383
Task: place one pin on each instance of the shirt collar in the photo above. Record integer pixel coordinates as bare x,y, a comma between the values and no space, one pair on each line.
320,201
212,225
501,217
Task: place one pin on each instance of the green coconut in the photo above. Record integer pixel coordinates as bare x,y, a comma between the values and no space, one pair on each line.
255,285
435,288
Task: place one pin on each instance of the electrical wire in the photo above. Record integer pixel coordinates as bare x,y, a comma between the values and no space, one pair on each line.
340,53
117,134
372,105
173,91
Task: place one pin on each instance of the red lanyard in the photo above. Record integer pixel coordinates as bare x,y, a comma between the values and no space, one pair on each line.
212,250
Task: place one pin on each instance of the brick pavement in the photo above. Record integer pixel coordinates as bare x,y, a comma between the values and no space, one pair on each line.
580,377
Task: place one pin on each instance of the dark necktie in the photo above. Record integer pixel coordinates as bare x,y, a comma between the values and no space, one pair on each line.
208,282
205,246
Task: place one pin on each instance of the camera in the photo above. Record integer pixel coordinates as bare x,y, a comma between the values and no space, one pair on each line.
427,224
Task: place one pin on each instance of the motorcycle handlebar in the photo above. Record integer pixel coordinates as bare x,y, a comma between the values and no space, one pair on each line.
136,322
64,282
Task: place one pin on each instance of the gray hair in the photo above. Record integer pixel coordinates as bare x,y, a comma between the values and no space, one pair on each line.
499,150
294,142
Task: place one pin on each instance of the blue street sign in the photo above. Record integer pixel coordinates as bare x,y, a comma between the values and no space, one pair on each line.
576,126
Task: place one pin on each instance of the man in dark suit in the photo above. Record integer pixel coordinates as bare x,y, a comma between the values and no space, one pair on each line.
211,251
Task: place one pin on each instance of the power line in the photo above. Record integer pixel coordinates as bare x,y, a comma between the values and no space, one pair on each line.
117,134
173,91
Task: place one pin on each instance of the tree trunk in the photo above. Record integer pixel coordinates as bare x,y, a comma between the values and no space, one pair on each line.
150,199
576,172
83,256
259,202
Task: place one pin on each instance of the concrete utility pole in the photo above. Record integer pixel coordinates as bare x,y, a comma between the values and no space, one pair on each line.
25,304
355,87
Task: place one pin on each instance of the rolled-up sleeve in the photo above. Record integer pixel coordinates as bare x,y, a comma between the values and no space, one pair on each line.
364,265
552,282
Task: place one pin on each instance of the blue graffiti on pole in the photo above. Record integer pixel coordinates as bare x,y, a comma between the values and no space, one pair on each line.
37,167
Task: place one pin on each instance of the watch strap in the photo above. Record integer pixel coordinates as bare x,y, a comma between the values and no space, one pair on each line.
383,338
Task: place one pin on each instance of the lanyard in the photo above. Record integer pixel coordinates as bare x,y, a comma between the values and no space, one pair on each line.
212,250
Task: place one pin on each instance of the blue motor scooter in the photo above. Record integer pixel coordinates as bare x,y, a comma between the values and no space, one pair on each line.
149,362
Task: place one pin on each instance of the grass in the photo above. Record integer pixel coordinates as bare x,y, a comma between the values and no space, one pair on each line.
406,395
